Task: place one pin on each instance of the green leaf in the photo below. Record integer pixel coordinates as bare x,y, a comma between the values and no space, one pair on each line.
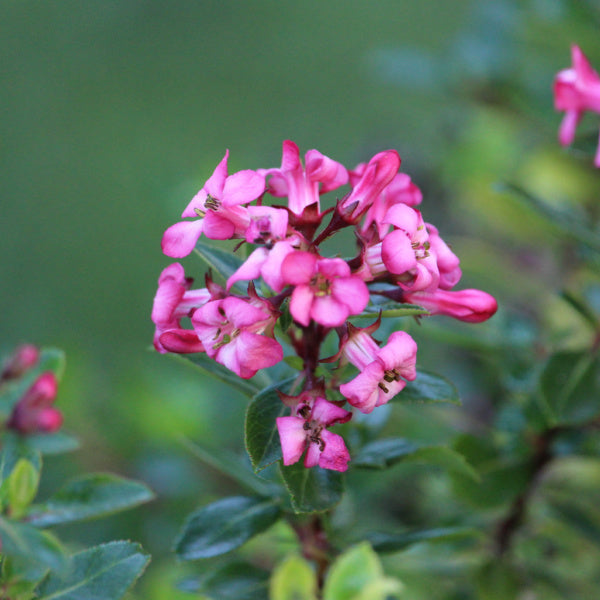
389,542
584,520
221,261
231,466
234,581
225,525
51,359
104,572
497,580
53,443
357,575
392,310
21,540
14,448
314,489
570,384
293,579
87,497
22,487
213,369
384,453
429,387
262,437
568,221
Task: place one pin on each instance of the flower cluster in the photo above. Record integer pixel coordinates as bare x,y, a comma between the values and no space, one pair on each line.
399,258
576,90
34,411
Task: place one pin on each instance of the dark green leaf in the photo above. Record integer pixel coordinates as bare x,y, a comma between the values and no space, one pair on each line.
234,581
388,542
221,261
314,489
567,220
213,369
384,453
15,447
104,572
262,436
497,580
392,310
584,520
428,387
570,383
87,497
231,466
23,541
224,525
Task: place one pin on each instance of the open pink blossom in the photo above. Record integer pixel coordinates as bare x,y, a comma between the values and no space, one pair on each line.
174,301
325,290
384,375
379,172
230,330
34,412
219,206
576,90
308,431
471,306
303,185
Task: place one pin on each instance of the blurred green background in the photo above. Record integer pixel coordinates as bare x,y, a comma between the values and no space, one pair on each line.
115,112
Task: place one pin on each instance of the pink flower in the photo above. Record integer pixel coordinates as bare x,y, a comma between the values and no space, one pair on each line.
471,306
308,431
379,172
34,412
230,330
174,301
382,369
23,358
219,204
301,185
325,289
447,262
576,90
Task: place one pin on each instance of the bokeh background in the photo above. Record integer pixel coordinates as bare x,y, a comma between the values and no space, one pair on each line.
114,113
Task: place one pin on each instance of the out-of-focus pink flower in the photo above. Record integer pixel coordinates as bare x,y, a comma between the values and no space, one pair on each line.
471,306
576,90
22,359
308,431
34,413
383,371
219,206
303,185
230,330
174,301
325,290
379,172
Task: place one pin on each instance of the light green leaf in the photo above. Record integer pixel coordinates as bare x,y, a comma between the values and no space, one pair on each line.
22,487
389,542
104,572
262,437
293,579
24,541
428,387
384,453
391,310
314,489
221,261
357,575
225,525
89,496
233,581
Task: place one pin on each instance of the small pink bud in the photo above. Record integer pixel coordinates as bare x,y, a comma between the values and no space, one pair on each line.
471,306
23,358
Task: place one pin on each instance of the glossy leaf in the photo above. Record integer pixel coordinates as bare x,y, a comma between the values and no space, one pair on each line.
24,541
358,575
87,497
104,572
223,262
224,525
384,453
314,489
428,387
233,581
262,437
293,579
389,542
